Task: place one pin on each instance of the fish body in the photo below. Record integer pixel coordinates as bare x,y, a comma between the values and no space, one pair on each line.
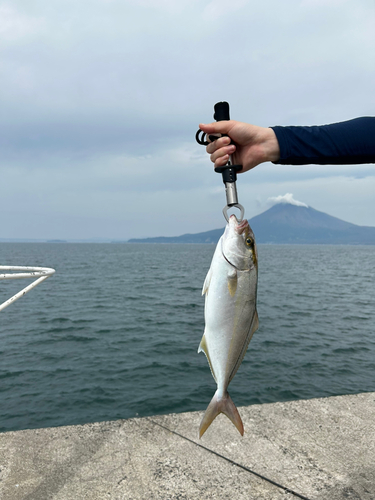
230,314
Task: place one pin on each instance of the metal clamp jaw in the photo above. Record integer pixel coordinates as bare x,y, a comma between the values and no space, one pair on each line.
228,171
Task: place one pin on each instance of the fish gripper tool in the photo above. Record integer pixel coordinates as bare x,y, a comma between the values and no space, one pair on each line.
228,171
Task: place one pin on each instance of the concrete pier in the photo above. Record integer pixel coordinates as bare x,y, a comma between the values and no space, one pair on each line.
319,449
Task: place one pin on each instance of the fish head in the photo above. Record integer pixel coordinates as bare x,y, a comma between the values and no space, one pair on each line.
238,245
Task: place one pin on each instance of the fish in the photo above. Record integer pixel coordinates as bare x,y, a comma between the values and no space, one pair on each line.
231,317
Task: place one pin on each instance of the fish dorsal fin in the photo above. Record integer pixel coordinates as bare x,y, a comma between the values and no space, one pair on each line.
203,347
232,282
207,281
253,328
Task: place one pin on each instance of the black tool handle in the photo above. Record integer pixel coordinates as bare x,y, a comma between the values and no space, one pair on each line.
229,172
221,111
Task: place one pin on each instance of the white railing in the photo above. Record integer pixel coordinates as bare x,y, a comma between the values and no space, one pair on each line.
19,272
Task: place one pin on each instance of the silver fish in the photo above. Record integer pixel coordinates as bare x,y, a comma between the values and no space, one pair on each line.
230,314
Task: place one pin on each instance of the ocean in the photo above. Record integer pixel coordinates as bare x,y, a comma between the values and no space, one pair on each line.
114,333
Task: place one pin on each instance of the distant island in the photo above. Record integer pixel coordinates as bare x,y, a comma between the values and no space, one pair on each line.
287,223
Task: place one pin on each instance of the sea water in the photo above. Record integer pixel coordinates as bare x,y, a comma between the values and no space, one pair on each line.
115,332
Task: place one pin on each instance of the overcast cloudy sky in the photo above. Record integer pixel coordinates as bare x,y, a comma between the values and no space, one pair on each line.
101,99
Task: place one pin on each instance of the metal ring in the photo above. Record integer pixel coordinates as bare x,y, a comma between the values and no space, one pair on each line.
237,205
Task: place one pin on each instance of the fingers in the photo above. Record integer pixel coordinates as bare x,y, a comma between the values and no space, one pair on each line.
217,156
221,148
221,161
217,144
220,151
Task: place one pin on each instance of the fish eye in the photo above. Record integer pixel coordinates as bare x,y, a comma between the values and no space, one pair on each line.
249,241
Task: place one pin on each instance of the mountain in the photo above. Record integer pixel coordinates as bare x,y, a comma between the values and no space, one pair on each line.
287,223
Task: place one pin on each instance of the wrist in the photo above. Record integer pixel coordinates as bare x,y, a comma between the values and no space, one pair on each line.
271,146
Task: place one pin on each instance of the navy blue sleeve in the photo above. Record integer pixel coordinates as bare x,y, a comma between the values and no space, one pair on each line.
341,143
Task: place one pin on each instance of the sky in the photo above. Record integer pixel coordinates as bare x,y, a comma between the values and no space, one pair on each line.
100,101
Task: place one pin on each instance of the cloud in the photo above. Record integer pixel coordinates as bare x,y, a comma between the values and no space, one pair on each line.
287,198
15,25
100,101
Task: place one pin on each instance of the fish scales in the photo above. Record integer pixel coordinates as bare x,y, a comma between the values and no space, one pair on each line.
231,317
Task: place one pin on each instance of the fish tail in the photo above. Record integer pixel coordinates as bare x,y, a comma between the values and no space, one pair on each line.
218,405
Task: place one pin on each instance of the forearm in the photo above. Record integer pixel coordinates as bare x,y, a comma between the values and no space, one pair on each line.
341,143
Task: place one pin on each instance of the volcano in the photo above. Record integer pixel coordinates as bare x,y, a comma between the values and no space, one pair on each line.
287,223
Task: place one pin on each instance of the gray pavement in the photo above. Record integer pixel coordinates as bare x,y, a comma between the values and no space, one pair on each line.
319,449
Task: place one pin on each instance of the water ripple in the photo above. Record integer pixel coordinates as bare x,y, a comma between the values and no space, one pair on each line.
115,332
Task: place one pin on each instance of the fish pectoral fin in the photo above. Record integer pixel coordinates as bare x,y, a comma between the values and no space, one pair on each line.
232,282
203,347
207,282
223,405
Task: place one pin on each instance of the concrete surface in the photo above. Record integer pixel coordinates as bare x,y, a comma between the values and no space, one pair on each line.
321,449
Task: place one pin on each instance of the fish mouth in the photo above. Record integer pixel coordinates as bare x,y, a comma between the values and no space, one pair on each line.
238,226
242,226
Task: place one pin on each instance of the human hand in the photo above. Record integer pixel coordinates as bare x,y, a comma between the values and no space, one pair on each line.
253,144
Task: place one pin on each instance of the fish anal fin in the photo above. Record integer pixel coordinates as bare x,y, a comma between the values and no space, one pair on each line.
255,324
232,283
203,347
221,405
